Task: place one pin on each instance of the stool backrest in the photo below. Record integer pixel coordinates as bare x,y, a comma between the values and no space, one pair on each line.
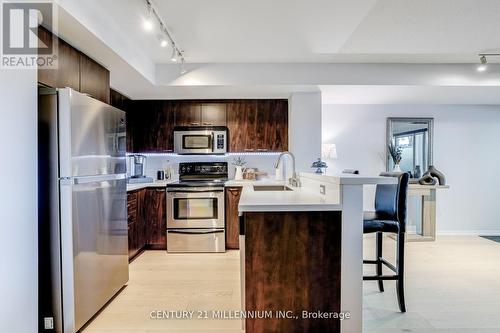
391,200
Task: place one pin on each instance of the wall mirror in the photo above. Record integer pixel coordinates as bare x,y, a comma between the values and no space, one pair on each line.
413,137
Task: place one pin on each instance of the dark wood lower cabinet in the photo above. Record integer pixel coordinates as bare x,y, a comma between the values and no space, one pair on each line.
155,212
292,263
147,220
233,195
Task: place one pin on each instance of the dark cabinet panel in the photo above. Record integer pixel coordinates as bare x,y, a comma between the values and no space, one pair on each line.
155,211
258,125
94,79
67,73
232,221
276,120
150,125
118,100
187,113
74,70
240,123
213,114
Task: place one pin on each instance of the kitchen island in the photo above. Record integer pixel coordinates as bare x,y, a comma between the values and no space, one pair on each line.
301,253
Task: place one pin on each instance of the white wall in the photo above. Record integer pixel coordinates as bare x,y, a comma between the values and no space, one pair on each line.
304,128
466,149
18,201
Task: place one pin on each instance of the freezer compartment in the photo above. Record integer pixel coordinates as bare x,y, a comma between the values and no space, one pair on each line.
196,240
94,245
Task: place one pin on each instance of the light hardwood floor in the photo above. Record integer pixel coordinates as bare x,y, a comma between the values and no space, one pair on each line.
452,286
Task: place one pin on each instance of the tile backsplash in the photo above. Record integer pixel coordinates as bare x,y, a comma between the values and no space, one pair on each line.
264,162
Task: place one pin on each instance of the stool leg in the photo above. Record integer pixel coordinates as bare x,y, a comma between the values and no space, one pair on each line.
400,267
378,254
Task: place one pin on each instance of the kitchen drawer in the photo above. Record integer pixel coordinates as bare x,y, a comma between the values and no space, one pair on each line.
196,240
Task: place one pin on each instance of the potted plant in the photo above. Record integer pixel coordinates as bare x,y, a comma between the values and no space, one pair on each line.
239,162
396,155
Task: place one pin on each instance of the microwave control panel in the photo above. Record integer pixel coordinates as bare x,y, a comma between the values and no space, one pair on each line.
220,141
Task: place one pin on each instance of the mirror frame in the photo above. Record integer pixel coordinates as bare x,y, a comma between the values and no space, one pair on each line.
430,124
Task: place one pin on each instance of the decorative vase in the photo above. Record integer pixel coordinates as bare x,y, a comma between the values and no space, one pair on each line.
239,173
396,168
427,179
437,174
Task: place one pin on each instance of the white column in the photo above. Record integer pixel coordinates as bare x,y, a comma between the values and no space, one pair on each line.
18,200
304,128
351,282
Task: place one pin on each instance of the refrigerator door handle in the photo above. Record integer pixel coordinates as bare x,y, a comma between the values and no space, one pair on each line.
94,179
66,225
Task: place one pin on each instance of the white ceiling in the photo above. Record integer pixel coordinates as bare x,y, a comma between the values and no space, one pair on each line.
300,32
424,31
406,95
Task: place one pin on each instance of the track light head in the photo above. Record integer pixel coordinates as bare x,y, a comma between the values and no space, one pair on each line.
173,57
484,64
148,23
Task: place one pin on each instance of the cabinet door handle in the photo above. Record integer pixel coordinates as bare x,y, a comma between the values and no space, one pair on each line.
195,124
262,149
248,149
207,124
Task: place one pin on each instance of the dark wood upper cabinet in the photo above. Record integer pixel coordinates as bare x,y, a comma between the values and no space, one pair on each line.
150,123
258,125
213,114
118,100
74,70
254,125
94,79
187,113
67,73
232,220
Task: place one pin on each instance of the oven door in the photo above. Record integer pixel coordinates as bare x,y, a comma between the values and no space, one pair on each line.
195,208
194,142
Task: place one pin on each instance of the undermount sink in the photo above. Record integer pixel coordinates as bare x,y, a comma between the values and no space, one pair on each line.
271,188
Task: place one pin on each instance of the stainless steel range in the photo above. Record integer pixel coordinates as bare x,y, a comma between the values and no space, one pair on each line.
195,208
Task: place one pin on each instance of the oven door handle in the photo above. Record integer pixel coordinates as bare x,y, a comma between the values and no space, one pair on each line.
193,190
196,232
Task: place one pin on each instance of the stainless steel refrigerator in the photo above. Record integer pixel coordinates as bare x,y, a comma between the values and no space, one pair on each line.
83,249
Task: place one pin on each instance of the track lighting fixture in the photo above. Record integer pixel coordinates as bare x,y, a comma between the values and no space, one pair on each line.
484,64
164,37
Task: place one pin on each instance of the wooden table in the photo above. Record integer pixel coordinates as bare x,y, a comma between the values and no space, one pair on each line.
428,195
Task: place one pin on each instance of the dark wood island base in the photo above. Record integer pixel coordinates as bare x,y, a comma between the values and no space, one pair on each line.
292,263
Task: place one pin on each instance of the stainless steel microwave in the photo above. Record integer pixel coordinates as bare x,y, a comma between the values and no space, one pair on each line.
200,140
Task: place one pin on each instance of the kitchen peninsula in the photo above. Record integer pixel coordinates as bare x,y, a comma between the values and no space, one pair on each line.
301,250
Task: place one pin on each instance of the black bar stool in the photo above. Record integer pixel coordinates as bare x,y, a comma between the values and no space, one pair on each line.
389,216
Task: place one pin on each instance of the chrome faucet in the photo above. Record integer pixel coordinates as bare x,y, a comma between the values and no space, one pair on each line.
294,180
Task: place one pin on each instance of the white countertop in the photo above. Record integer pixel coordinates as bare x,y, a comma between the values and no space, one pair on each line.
156,183
300,199
304,198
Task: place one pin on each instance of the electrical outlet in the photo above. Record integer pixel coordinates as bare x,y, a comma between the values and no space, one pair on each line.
48,323
322,189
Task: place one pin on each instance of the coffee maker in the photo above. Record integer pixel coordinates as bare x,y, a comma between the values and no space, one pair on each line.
137,169
137,166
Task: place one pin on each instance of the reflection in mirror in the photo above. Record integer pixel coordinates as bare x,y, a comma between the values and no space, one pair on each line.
413,136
